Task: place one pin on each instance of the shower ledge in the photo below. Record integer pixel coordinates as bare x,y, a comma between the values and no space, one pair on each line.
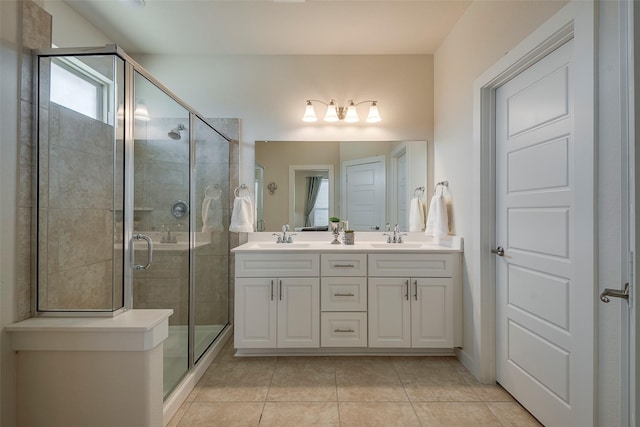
116,360
132,330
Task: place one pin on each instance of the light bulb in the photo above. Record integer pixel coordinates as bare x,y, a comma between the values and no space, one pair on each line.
374,115
352,114
332,114
309,113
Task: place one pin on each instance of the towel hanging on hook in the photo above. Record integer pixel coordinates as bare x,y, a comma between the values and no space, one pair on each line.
240,188
212,209
242,216
441,183
213,191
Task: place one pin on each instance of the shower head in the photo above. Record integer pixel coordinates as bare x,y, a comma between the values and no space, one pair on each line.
175,132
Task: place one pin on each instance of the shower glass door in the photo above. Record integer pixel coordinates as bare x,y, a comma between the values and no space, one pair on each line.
161,211
211,247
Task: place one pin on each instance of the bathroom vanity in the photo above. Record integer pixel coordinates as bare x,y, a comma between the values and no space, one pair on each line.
313,297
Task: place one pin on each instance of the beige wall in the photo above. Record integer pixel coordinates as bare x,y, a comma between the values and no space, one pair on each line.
268,92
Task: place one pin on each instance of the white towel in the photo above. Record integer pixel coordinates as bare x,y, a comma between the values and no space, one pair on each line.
437,219
242,215
416,215
212,213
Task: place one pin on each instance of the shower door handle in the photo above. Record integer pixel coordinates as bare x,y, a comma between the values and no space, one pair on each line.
147,239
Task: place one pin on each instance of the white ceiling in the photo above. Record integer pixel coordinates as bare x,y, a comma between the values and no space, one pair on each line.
314,27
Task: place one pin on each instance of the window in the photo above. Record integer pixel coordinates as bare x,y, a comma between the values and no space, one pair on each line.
320,213
80,88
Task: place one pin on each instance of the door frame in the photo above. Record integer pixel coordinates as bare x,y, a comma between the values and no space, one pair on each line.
576,20
631,75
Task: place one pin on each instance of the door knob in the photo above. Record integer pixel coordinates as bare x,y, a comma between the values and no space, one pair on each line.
498,251
615,293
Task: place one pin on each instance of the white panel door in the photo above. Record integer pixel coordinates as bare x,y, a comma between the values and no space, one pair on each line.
299,313
389,313
363,195
545,355
431,308
255,313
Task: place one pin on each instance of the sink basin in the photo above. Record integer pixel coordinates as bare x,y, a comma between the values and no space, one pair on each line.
397,246
273,245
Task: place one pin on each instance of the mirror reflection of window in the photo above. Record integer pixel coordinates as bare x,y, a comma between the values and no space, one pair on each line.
320,213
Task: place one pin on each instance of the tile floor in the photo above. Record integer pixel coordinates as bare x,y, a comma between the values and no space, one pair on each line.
345,391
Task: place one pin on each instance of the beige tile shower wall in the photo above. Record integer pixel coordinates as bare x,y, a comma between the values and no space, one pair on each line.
77,221
164,284
36,34
161,174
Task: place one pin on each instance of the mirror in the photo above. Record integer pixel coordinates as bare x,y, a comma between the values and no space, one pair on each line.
372,182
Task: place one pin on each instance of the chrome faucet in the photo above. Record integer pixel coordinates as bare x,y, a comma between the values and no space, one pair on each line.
286,237
396,237
167,238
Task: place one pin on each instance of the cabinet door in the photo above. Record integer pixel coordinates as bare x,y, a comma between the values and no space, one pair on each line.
432,315
389,315
298,312
255,313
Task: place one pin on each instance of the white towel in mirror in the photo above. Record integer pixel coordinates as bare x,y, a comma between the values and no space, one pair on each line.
416,215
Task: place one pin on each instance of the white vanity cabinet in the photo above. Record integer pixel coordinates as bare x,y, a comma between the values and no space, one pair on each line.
411,300
312,297
277,301
343,291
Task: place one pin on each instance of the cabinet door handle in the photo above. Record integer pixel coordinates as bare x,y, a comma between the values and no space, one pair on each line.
271,290
344,266
344,330
343,295
415,290
280,293
406,293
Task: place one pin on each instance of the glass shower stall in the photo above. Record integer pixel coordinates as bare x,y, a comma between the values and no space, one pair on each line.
132,201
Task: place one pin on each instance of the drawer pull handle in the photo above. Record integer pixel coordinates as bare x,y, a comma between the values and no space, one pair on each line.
344,330
344,266
344,295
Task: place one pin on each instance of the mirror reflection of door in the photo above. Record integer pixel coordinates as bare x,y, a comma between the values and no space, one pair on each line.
259,194
363,198
402,199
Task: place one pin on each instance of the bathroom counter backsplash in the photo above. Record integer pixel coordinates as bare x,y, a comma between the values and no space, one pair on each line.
314,241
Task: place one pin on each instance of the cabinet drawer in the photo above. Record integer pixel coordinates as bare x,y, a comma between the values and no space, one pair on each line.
411,265
343,293
344,264
277,265
343,330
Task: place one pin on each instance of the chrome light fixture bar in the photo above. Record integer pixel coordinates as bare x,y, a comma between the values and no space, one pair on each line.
348,113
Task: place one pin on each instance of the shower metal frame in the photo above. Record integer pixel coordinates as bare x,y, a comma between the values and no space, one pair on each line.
130,67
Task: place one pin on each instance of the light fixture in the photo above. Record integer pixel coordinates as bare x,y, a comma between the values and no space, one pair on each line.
347,113
141,112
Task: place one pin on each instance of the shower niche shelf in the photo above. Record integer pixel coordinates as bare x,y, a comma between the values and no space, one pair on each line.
140,209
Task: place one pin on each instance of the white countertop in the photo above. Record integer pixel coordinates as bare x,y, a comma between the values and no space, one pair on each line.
364,242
